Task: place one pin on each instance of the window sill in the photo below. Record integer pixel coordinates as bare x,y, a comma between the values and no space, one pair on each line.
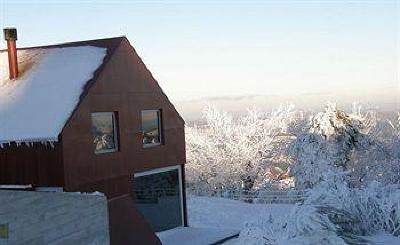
151,145
105,152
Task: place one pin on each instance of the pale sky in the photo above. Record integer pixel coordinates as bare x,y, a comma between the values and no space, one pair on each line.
202,48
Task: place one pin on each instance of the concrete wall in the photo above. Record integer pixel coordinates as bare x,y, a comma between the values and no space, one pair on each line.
52,218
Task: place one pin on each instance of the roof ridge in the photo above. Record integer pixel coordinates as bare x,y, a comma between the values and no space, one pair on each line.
89,83
91,42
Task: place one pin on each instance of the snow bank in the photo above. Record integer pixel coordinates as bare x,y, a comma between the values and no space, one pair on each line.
36,106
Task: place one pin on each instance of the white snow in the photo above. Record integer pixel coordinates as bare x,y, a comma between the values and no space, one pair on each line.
213,212
95,193
216,214
15,186
194,236
36,106
383,239
212,219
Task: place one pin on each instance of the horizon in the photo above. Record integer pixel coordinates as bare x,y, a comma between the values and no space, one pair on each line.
267,48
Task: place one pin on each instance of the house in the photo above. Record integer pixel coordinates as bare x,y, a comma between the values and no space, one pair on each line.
89,116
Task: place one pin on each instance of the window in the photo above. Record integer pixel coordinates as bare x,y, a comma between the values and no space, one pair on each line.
151,127
104,132
159,197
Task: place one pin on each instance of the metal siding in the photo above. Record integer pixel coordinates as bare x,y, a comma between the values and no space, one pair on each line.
127,87
38,165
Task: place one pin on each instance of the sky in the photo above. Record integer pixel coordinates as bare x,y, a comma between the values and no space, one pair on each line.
199,49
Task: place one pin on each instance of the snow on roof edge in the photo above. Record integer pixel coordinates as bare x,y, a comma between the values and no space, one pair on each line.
29,142
55,73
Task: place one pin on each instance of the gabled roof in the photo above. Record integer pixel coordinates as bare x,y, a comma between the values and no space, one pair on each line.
53,80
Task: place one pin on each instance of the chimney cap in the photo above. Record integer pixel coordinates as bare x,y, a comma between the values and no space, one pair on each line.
10,34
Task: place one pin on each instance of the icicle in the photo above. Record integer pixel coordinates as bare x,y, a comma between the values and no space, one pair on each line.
30,142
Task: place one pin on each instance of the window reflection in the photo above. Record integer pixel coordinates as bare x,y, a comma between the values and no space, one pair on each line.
151,127
103,128
158,198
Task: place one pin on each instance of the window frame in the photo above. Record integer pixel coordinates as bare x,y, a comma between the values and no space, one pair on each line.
115,131
149,145
163,170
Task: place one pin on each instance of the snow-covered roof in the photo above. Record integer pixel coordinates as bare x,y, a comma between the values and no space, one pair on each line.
36,106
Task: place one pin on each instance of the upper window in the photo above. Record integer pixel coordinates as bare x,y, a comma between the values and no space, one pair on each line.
104,132
151,127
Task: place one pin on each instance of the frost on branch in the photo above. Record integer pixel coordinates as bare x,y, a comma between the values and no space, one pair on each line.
250,152
234,153
332,138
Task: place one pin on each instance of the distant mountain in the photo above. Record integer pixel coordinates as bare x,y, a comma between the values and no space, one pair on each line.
380,100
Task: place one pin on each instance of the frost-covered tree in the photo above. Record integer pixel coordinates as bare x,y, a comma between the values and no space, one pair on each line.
394,141
380,159
232,153
360,143
250,151
327,146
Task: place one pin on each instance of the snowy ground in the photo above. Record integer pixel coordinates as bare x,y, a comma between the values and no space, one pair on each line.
384,239
220,213
194,236
229,214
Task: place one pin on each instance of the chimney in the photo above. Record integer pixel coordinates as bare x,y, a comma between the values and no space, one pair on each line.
10,35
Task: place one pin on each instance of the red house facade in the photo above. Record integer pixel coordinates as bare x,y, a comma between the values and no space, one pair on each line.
119,134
